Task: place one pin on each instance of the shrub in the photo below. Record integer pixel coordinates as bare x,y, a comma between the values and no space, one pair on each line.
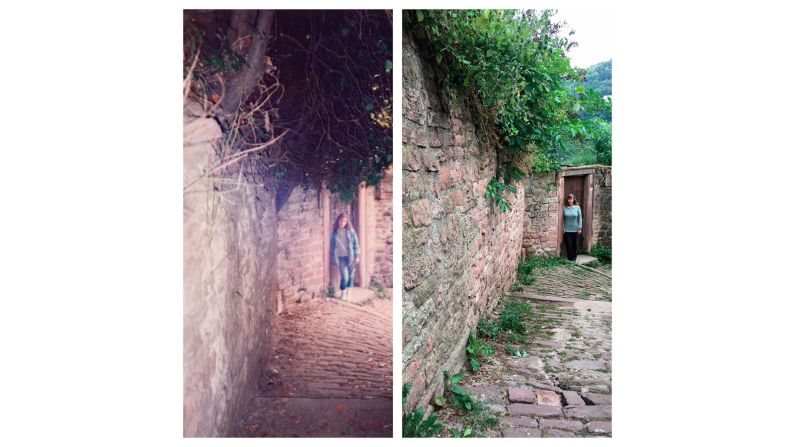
604,254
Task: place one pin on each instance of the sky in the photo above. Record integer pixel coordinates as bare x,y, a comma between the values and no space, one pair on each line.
592,32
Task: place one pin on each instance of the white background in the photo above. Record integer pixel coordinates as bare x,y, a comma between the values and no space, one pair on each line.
91,227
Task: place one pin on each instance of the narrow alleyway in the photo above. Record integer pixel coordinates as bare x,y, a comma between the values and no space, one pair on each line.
558,383
332,374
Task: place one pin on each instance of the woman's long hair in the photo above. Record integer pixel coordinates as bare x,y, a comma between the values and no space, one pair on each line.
574,201
337,222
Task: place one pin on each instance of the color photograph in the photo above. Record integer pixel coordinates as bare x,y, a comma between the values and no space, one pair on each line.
507,224
287,223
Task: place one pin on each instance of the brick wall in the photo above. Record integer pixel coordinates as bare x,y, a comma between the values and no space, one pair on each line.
229,289
542,215
459,252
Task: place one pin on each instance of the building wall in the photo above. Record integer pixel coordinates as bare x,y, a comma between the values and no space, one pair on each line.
300,248
382,269
542,215
459,252
229,278
603,207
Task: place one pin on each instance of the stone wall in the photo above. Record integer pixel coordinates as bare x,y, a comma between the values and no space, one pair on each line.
300,248
229,277
459,252
382,270
542,215
603,207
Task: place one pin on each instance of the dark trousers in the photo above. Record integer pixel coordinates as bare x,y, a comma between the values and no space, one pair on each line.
570,239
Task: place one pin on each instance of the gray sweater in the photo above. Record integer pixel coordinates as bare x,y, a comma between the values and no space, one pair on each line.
572,219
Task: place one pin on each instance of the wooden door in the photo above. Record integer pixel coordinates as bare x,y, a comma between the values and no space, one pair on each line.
576,185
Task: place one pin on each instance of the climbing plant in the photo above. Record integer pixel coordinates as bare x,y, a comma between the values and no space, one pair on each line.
511,68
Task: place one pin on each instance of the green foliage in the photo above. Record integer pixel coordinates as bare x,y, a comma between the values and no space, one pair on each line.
592,147
466,433
604,254
487,328
599,79
514,351
413,424
477,350
511,66
458,396
415,427
544,163
496,191
513,314
528,267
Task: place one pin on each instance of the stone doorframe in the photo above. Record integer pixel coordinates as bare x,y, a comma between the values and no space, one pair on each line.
363,199
587,218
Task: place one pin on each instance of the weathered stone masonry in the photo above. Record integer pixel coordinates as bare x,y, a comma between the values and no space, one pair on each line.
542,215
229,237
459,252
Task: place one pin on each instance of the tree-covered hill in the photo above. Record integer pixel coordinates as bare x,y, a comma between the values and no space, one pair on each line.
600,78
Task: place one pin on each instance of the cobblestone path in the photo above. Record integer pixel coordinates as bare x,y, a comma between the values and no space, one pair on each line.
332,374
561,385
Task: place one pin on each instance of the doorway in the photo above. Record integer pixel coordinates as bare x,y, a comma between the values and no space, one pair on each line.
580,186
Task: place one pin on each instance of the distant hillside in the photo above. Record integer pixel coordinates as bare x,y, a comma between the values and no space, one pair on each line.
600,78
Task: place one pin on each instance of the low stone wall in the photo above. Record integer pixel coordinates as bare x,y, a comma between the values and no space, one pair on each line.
542,215
229,278
459,252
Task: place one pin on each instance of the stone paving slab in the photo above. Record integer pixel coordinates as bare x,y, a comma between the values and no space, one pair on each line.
598,398
519,422
521,433
555,433
600,427
561,424
490,394
546,397
534,410
589,412
522,395
572,398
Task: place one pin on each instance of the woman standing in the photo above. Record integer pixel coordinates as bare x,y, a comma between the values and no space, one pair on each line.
572,226
344,252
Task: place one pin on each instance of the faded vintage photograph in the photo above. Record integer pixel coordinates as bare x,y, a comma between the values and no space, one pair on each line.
287,223
507,224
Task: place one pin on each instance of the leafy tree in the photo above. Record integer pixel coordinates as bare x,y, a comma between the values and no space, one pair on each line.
511,68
